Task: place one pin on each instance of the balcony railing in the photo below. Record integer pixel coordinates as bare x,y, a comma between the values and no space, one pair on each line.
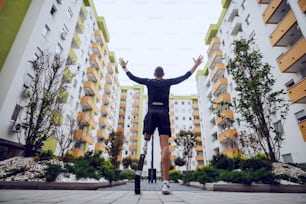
91,90
232,152
227,134
83,136
217,72
221,85
77,152
297,93
88,104
214,44
302,126
84,119
225,97
100,148
225,116
275,11
102,134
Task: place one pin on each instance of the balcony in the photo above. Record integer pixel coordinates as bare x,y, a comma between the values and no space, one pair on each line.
107,89
236,26
196,122
92,74
199,157
88,104
94,62
135,112
134,120
195,106
171,113
226,115
216,58
105,99
214,45
172,148
134,138
225,97
263,1
91,90
275,11
102,134
199,148
108,78
72,57
231,152
80,26
135,104
302,126
220,86
121,121
77,152
120,129
227,134
62,96
97,49
172,157
198,138
197,130
100,148
82,136
136,96
104,123
123,97
84,119
302,5
134,129
217,72
105,111
286,33
122,113
133,147
99,36
76,42
110,68
195,113
67,76
294,59
297,93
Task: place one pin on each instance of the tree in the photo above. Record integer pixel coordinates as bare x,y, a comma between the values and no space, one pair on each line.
126,162
42,116
114,147
186,141
256,102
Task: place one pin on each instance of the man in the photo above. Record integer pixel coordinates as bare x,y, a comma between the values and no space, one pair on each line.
158,110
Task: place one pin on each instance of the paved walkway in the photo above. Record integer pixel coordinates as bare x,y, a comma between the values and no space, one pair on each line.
125,195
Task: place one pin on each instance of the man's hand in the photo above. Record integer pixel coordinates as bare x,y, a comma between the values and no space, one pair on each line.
198,61
123,63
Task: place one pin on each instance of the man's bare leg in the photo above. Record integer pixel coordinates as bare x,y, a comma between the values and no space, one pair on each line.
164,146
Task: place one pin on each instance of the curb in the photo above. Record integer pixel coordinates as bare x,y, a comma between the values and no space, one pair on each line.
56,185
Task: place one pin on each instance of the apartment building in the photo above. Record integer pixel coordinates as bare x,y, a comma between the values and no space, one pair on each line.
278,28
89,84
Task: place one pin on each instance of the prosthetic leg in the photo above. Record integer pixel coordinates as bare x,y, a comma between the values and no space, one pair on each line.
139,168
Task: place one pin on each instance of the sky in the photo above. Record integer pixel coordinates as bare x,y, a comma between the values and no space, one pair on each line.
166,33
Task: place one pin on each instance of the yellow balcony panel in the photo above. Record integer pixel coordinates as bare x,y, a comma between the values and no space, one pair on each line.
108,78
275,11
171,113
83,136
105,111
133,147
198,138
119,158
92,74
100,147
84,119
294,59
171,105
136,96
172,121
172,148
94,61
104,123
123,97
196,122
302,5
88,104
214,44
297,93
135,112
197,130
172,157
172,130
134,138
120,129
99,36
263,1
232,152
121,121
91,90
102,134
200,166
96,48
122,105
134,129
217,72
67,76
133,156
110,67
220,86
225,115
122,113
107,89
227,134
195,106
199,157
286,31
171,139
225,97
135,104
77,152
217,57
135,120
195,113
302,126
105,99
199,148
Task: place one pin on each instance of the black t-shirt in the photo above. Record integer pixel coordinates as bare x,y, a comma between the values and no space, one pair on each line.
158,90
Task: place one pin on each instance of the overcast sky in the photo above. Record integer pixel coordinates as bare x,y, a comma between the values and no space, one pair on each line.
167,33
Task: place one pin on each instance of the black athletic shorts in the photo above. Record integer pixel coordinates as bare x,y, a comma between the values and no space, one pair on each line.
157,118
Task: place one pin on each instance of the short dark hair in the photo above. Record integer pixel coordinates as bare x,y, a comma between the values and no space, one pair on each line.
159,72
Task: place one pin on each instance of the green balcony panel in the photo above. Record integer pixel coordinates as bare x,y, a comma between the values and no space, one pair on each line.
103,27
72,56
76,40
80,25
68,76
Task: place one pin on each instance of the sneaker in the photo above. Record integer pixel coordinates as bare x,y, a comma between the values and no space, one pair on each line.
166,188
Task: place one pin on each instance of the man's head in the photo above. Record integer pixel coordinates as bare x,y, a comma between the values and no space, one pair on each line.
159,72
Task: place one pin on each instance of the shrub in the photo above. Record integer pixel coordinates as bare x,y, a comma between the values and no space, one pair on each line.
221,161
83,169
242,177
134,164
126,162
44,155
255,163
207,174
127,174
52,171
175,175
13,172
179,161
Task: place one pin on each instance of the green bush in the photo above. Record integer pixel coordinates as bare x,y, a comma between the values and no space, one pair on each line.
175,175
45,155
52,171
13,172
207,174
256,163
126,162
242,177
127,174
221,161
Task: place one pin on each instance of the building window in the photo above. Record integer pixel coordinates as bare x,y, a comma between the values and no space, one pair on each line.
58,49
16,112
28,80
247,19
70,13
243,5
279,128
290,83
300,116
45,31
287,158
53,10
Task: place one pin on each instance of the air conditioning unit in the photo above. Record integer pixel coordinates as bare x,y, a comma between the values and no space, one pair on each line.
59,1
63,35
15,127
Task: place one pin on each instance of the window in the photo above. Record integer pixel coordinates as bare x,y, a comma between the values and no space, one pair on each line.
247,20
45,31
53,10
287,158
16,112
243,5
183,102
279,127
289,84
27,80
70,13
58,49
300,116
